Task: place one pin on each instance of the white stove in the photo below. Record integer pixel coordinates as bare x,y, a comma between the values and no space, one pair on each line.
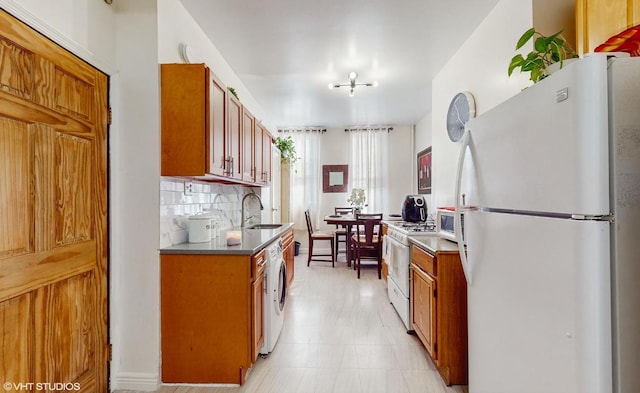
398,257
401,229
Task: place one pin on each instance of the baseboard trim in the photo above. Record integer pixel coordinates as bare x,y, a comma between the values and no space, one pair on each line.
135,381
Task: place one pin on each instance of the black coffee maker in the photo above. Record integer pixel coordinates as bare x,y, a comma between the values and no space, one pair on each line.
414,208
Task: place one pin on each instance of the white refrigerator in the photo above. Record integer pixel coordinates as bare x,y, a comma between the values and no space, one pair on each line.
551,179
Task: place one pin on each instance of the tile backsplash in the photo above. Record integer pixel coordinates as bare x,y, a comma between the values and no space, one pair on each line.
221,201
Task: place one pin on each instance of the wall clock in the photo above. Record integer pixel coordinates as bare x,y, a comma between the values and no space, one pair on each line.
461,109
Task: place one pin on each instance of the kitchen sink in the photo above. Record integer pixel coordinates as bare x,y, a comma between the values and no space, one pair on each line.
265,226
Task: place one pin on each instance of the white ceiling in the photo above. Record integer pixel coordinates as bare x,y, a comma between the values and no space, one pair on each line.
286,52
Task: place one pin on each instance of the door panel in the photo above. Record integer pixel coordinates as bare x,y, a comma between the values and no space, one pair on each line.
15,210
73,189
16,76
63,311
17,337
53,210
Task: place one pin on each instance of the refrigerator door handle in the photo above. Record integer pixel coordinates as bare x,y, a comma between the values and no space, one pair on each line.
457,225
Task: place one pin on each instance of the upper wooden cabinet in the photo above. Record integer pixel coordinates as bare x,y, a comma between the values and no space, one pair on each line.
598,20
184,117
248,149
206,132
216,136
263,154
234,134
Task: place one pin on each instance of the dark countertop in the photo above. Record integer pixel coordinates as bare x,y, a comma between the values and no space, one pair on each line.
433,244
253,240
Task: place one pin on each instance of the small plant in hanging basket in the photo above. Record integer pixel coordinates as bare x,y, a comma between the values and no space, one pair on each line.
546,51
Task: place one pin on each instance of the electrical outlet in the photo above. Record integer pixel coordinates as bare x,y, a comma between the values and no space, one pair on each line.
188,188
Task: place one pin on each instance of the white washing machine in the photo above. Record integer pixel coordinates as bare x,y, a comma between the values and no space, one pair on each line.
275,297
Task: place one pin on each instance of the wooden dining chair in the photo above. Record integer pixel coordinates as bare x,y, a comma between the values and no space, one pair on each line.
367,240
315,235
341,230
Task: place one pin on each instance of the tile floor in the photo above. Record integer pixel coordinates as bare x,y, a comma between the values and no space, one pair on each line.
341,334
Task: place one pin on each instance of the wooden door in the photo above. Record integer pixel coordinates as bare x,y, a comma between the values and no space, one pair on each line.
53,214
234,133
217,130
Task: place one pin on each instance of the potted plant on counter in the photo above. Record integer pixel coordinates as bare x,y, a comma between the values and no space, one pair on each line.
546,52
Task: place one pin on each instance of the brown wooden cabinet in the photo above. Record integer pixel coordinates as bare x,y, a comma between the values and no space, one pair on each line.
288,253
439,311
263,154
211,316
216,137
598,20
258,263
423,315
385,264
206,132
248,146
234,134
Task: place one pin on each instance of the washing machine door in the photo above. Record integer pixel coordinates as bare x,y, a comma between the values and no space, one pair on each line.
281,289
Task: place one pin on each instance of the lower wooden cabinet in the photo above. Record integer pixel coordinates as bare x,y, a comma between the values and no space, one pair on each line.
424,308
211,316
439,311
288,253
258,263
385,264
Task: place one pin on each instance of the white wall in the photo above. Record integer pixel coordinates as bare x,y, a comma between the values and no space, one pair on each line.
423,137
479,66
89,24
175,26
135,169
399,158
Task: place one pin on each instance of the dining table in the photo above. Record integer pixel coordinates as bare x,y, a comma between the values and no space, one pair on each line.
347,221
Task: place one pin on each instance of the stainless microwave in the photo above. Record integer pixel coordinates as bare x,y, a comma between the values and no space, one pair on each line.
445,224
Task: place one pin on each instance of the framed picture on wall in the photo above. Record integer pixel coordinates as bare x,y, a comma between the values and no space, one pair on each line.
335,178
424,171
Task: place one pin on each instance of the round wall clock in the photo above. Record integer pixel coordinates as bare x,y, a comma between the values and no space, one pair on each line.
461,109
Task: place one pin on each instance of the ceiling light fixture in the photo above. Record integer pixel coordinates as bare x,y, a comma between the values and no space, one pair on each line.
352,84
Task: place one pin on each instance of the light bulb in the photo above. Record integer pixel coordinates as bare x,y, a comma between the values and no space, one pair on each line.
375,83
353,75
351,92
330,86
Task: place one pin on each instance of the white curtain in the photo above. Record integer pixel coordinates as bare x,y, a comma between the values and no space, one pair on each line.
368,167
305,177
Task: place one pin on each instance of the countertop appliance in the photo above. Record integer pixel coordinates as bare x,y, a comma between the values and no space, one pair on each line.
552,184
275,295
445,224
414,208
398,257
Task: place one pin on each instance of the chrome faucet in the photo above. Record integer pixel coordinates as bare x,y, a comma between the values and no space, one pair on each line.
243,199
